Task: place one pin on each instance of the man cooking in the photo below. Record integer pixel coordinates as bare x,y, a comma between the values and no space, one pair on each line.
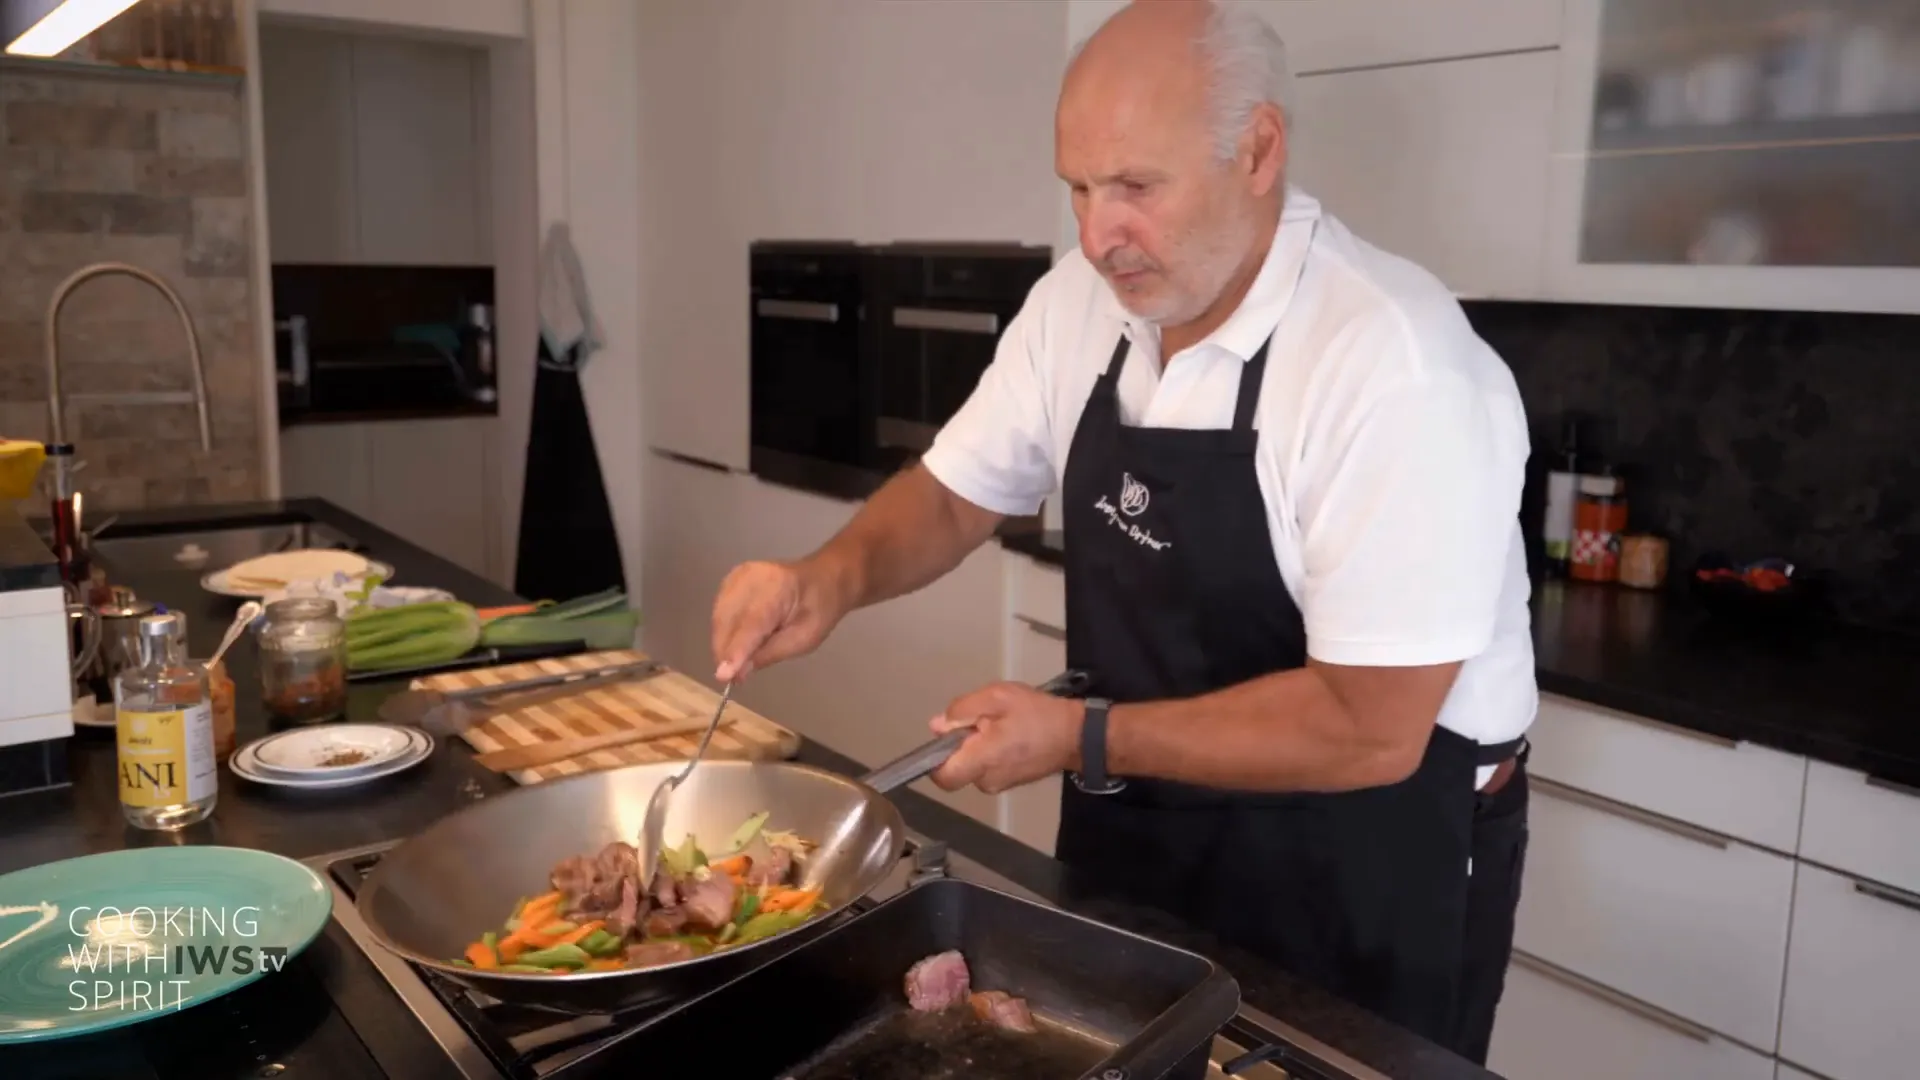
1290,476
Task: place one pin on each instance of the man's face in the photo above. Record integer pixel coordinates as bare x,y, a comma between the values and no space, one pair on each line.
1162,218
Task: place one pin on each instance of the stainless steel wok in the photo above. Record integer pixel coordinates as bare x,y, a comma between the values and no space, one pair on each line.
439,890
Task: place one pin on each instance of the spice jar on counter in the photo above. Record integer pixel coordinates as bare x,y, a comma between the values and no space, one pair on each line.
1599,520
303,660
1643,561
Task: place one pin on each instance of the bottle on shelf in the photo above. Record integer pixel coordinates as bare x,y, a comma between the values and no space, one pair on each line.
1563,481
163,720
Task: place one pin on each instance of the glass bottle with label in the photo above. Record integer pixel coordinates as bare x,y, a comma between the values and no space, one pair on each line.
163,716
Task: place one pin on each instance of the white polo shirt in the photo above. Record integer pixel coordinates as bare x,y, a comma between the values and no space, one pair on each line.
1391,450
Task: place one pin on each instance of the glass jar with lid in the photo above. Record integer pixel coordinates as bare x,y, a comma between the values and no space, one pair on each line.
303,660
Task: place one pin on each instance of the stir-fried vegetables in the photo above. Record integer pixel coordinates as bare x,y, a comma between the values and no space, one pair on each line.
557,933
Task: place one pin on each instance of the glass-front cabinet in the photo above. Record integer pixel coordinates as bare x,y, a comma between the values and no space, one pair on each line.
1759,153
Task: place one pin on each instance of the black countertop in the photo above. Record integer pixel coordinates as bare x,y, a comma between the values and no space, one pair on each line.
1839,694
25,561
317,1019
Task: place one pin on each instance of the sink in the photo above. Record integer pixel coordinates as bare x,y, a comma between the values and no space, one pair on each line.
212,549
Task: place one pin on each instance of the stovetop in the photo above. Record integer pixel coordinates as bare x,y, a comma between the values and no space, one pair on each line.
485,1039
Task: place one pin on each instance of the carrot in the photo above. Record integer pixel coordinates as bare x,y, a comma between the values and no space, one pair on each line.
487,614
531,935
788,899
612,964
482,957
732,866
579,933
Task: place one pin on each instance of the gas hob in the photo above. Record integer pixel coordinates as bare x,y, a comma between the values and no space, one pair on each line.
485,1039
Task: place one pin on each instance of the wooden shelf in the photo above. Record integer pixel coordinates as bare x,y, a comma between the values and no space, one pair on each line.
102,70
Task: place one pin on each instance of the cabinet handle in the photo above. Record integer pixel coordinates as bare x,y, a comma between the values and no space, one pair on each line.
1653,1014
797,309
1894,786
1888,893
1632,813
1046,630
963,322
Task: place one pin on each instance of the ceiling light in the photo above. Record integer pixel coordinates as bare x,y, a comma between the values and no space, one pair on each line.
50,27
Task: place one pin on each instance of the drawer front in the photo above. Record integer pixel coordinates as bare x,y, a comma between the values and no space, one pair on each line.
1039,593
1853,977
1553,1026
1740,789
1664,912
1032,812
1862,826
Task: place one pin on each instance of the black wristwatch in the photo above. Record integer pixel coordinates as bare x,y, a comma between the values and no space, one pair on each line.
1092,777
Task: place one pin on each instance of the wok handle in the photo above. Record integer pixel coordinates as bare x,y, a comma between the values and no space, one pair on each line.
929,756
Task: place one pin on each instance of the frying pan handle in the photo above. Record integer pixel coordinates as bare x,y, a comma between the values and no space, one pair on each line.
929,756
916,762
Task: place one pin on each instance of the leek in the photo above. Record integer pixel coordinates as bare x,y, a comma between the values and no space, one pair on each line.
412,635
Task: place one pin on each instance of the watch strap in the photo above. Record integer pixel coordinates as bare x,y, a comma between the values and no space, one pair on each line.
1092,777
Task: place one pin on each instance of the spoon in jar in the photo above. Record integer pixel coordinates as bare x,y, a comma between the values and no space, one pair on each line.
242,619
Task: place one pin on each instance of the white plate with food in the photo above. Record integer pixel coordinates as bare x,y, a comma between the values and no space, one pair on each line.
333,749
257,578
246,764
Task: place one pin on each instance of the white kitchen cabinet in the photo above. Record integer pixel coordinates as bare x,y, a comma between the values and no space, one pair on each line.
1853,976
1332,34
431,482
375,149
1556,1026
1737,788
1685,920
1749,155
692,538
1444,164
1862,826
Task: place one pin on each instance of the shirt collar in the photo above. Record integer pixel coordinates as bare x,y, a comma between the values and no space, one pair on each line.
1258,315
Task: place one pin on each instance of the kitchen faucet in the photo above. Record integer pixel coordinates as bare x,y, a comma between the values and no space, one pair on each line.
197,397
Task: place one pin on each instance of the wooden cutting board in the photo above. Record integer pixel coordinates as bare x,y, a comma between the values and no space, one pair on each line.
655,702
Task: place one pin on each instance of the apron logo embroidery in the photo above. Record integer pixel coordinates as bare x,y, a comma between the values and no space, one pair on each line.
1133,502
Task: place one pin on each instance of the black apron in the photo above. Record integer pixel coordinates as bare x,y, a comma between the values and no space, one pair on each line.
1172,591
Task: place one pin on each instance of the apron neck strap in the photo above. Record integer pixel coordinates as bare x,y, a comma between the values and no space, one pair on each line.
1252,375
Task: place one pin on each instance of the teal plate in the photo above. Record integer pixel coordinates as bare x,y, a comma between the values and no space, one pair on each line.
107,940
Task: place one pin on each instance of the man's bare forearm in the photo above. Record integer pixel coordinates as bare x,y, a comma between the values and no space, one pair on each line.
911,532
1304,730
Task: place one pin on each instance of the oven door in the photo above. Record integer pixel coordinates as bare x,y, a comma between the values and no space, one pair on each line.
805,386
931,360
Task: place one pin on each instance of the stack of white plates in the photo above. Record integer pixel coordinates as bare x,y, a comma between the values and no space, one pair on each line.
332,755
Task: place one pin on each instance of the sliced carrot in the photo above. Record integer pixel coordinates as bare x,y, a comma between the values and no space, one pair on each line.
579,933
790,900
610,964
733,865
487,614
482,957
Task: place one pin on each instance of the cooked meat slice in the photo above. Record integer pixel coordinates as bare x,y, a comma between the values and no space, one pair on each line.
621,921
665,894
615,863
773,870
655,953
1003,1010
709,903
938,982
575,876
664,922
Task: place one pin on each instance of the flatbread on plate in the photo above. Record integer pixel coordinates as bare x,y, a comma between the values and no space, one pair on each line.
270,572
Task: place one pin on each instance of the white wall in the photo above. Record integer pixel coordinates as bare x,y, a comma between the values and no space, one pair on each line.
867,120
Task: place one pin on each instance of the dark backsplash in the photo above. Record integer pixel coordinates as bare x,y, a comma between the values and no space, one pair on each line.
1752,433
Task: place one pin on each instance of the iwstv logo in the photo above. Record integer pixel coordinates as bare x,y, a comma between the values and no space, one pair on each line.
146,958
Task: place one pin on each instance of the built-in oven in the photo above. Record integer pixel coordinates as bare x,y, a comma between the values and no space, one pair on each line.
937,312
810,392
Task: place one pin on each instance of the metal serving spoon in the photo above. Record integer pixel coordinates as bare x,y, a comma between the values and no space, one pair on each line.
655,822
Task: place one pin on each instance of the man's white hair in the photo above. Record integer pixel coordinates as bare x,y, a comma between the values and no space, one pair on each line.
1248,63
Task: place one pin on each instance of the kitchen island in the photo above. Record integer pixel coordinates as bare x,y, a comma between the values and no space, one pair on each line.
330,1014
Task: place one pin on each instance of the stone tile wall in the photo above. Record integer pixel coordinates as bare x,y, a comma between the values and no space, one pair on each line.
150,171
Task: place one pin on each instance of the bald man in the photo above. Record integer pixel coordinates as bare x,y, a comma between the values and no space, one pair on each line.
1290,476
